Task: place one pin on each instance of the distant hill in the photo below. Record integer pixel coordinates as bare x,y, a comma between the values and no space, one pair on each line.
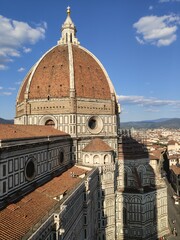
150,124
6,121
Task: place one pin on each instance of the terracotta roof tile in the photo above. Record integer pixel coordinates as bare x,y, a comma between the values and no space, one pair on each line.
97,145
156,154
90,80
175,169
174,156
52,78
12,131
19,217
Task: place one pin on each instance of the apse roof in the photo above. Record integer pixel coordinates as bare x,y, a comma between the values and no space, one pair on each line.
97,145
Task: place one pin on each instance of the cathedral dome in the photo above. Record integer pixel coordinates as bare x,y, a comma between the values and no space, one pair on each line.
51,76
67,86
65,70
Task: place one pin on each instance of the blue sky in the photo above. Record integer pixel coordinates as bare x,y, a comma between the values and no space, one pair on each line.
137,41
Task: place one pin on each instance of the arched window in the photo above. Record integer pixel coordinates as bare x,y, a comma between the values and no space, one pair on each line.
50,122
71,37
96,159
106,159
66,38
86,158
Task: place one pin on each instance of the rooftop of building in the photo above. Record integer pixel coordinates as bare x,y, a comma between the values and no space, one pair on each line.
12,131
19,217
155,154
97,145
175,169
131,149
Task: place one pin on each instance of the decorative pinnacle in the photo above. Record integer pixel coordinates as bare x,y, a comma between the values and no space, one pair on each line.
68,10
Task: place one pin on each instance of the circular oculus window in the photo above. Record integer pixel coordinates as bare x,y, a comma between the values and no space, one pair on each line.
95,124
30,170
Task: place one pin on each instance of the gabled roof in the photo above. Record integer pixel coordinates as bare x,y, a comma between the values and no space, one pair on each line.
97,145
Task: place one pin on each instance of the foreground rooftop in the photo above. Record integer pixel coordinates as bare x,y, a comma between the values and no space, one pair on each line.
18,218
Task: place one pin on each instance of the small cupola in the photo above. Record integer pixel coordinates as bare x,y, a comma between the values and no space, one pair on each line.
68,31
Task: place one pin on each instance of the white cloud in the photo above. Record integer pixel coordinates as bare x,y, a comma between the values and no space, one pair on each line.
140,41
5,93
18,83
14,35
152,110
26,50
144,102
3,67
159,31
12,88
163,1
21,69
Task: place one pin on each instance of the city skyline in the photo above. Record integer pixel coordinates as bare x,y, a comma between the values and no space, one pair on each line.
138,44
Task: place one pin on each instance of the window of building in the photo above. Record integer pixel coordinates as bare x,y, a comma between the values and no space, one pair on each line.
50,122
4,187
95,124
96,159
85,197
103,224
30,169
85,219
61,156
125,216
85,233
92,123
125,179
4,170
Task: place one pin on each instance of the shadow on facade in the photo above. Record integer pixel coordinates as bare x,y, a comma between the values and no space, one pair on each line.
165,165
138,192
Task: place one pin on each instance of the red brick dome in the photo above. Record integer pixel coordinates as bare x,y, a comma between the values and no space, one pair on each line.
62,68
67,79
